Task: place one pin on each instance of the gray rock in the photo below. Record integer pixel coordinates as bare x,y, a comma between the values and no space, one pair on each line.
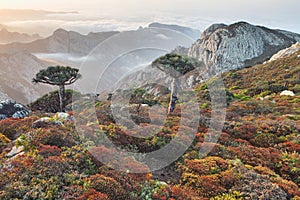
9,108
15,151
286,52
21,114
287,93
239,45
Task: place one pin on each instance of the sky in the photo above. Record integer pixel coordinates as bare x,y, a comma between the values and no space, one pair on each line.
104,15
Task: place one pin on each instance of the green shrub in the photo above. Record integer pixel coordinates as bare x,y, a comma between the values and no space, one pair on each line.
229,196
242,97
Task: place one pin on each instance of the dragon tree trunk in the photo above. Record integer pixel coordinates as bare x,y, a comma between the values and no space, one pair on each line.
62,98
173,98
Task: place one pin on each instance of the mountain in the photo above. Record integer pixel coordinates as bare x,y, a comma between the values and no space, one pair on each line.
227,47
16,73
10,37
94,50
193,33
61,41
71,42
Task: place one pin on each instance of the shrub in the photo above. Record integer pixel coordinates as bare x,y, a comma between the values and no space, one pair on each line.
229,196
107,186
265,140
47,150
13,128
53,136
49,103
92,194
3,141
209,165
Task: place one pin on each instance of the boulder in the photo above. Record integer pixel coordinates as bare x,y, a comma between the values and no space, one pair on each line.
61,116
56,120
9,108
287,93
15,151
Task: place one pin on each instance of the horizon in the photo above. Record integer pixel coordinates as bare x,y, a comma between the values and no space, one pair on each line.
102,15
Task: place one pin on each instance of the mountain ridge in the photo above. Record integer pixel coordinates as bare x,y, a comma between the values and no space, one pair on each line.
11,37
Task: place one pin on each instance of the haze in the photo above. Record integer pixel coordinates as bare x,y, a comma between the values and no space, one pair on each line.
104,15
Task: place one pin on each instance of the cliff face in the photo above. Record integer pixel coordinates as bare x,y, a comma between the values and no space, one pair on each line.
239,45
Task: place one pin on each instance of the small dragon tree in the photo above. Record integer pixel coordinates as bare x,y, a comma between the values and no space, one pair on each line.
60,76
175,66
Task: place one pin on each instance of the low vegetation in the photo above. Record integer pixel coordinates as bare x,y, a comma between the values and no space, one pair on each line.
257,155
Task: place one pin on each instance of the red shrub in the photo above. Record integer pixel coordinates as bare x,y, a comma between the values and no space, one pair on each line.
92,194
209,165
54,166
108,186
257,156
12,128
47,150
245,132
60,137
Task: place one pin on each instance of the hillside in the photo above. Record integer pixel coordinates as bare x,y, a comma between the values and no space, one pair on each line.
256,155
17,71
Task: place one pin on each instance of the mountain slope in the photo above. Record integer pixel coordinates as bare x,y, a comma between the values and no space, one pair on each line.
239,45
16,73
256,155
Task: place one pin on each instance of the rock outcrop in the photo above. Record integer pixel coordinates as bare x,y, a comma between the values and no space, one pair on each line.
239,45
9,108
286,52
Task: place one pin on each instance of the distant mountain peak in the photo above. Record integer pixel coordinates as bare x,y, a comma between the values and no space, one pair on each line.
60,31
192,33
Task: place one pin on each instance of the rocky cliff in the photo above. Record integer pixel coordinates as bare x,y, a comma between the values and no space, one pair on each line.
226,47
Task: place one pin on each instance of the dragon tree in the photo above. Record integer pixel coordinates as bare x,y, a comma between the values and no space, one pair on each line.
175,66
60,76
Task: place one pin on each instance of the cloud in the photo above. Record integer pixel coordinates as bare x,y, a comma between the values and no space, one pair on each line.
162,36
95,21
86,23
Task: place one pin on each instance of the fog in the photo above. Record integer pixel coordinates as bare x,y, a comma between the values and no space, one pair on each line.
104,15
